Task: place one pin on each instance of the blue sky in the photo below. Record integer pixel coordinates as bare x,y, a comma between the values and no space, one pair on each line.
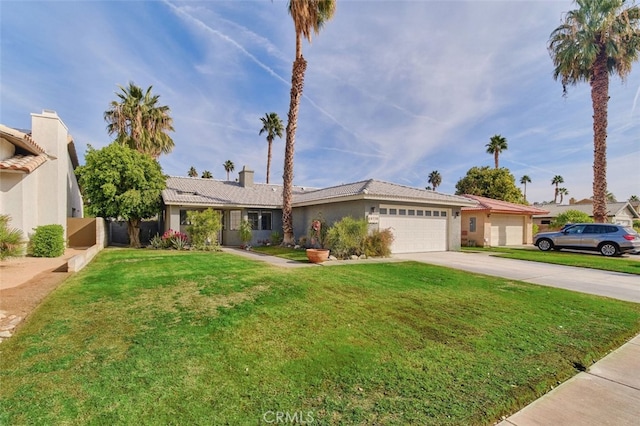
393,90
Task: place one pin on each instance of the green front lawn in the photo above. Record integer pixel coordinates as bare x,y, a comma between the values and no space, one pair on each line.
299,255
592,260
158,337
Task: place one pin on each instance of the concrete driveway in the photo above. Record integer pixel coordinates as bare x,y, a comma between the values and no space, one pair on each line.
602,283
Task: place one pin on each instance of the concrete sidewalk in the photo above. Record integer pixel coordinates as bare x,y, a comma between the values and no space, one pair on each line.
608,393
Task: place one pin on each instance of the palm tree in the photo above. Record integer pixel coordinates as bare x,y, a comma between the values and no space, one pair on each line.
308,16
139,122
207,175
634,198
496,145
192,172
600,38
272,126
562,192
524,180
611,198
229,167
435,179
557,180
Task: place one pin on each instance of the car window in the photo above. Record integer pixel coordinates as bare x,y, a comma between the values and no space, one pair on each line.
611,229
577,229
592,229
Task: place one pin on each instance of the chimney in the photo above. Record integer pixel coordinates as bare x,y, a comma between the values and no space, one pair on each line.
246,177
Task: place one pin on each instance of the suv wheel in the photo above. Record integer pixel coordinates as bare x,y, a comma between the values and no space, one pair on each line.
608,249
545,244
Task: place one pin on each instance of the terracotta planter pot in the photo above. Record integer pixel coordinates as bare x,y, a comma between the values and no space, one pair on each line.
317,255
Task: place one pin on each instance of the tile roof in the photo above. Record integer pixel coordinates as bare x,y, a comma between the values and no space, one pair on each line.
20,140
379,190
613,209
210,192
499,206
23,163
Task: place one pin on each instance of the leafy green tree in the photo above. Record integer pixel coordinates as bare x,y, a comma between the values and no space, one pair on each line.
272,126
524,180
228,167
570,216
435,179
207,175
600,38
193,172
496,145
308,16
246,232
139,122
11,239
119,182
557,180
203,229
498,184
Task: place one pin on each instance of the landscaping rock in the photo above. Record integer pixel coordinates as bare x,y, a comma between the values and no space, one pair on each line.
332,257
5,334
354,257
362,257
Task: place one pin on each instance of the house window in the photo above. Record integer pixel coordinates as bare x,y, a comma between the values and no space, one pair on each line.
472,224
420,212
403,212
436,213
545,222
254,220
393,211
265,221
383,210
235,217
183,218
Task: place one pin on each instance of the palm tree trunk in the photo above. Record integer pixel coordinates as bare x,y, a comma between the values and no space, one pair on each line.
133,229
269,142
297,83
495,158
600,99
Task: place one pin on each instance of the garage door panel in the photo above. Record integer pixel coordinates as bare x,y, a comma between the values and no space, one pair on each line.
507,230
413,234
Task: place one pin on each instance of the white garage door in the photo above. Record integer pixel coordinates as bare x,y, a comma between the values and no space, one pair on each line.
413,234
507,230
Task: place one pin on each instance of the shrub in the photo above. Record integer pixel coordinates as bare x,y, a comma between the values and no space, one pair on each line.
535,228
174,239
245,232
156,242
378,243
203,229
47,241
11,244
276,238
570,216
318,232
636,225
346,237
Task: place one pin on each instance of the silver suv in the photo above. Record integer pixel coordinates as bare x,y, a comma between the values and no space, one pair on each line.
608,239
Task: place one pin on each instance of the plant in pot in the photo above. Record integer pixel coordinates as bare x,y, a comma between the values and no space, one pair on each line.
317,253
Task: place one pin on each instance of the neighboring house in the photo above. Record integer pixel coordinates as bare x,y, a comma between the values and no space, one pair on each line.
497,223
420,220
37,182
621,213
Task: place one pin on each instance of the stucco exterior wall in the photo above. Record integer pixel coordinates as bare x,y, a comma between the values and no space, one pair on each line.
482,233
50,193
330,213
